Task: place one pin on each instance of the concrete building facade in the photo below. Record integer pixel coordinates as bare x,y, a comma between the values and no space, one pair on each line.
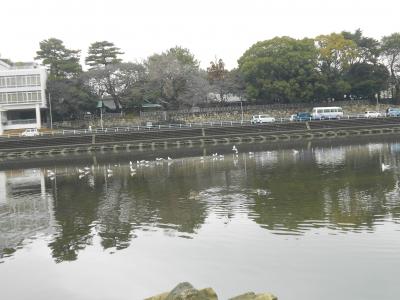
22,96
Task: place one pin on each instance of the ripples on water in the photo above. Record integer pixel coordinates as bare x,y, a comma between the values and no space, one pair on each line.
289,193
286,192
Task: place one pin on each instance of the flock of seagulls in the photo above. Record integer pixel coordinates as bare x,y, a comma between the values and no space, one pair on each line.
83,172
133,166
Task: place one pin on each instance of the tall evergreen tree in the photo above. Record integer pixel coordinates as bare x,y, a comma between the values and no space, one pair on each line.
101,54
60,61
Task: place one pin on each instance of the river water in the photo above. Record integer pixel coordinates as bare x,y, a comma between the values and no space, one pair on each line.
303,222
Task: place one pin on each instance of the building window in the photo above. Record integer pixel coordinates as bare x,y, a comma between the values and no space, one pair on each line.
21,97
11,81
19,81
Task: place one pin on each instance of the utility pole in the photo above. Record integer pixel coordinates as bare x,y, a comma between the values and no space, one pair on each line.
241,108
51,113
101,116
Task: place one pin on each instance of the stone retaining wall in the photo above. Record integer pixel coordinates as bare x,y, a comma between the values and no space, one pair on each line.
276,112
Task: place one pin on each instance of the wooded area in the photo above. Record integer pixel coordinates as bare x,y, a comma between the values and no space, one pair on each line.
338,66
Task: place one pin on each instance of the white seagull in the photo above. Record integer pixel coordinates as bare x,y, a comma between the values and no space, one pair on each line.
385,167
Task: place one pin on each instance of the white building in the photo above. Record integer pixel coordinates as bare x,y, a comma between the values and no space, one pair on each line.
22,96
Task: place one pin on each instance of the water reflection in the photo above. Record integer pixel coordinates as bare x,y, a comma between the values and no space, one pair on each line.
286,192
25,209
330,156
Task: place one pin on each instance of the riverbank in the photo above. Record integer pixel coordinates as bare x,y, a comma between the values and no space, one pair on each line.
122,156
132,140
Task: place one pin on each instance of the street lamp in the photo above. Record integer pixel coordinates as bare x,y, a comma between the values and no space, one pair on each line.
377,101
100,105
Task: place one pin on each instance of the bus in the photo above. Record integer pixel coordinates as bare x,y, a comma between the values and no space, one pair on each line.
333,112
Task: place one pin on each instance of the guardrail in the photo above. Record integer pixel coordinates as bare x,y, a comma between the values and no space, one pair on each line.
167,127
172,137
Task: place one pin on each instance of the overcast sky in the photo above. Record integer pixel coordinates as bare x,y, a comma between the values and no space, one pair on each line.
209,28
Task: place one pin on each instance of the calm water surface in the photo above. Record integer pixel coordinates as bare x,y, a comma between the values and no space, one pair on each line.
310,223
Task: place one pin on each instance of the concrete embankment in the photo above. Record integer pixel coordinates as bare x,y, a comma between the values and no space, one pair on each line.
175,138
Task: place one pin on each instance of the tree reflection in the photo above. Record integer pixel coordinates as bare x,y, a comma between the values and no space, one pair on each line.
310,195
283,192
74,212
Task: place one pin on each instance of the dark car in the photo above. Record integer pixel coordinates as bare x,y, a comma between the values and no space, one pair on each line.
302,116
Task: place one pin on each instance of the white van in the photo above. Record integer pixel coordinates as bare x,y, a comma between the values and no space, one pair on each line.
258,119
333,112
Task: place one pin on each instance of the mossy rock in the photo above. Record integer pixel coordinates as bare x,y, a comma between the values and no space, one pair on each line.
185,291
253,296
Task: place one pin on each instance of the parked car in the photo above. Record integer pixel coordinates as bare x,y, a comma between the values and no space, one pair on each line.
372,114
301,116
393,112
258,119
30,132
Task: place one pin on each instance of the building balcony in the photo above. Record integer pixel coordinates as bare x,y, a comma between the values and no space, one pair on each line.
22,121
20,124
19,102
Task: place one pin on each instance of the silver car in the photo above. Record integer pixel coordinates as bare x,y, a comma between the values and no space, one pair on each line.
30,132
372,114
258,119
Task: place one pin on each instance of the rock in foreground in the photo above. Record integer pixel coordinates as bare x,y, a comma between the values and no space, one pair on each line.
185,291
253,296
